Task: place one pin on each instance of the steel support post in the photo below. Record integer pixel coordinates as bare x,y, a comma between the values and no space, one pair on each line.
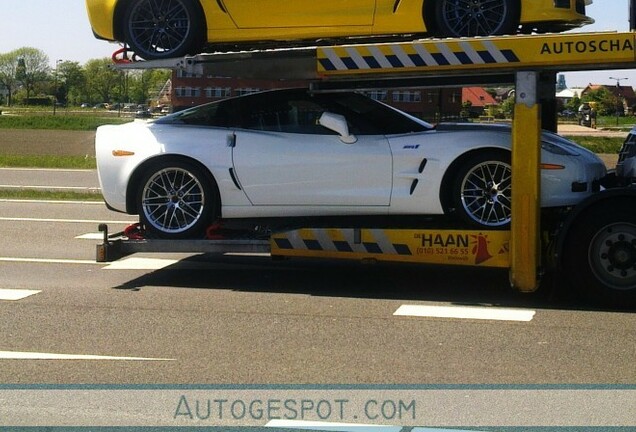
526,152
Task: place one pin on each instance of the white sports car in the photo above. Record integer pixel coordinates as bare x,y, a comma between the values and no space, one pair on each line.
294,153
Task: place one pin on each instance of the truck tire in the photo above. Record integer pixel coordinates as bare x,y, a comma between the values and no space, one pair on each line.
600,254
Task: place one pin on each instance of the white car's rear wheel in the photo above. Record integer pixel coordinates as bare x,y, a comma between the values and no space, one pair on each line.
468,18
482,190
176,200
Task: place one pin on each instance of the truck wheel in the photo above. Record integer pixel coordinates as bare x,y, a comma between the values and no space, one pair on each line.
468,18
600,255
176,200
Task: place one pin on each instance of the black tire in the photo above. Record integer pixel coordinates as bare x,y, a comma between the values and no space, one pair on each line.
163,29
468,18
481,192
600,254
176,200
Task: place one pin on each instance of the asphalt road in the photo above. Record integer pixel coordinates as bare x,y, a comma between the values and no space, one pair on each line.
226,319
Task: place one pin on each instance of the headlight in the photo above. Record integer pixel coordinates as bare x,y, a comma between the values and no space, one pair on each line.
556,149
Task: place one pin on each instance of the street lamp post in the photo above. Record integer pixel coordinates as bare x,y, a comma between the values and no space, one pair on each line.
55,89
618,94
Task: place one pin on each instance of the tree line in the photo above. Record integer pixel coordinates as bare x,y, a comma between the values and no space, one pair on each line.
28,79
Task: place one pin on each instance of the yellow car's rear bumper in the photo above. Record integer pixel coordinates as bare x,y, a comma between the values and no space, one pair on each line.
546,16
101,15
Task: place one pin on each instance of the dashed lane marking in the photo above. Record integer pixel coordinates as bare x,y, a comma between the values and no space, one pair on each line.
91,221
90,236
46,261
35,201
460,312
57,170
134,263
15,294
16,355
61,188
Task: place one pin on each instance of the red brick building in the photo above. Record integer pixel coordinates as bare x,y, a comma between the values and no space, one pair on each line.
190,90
479,100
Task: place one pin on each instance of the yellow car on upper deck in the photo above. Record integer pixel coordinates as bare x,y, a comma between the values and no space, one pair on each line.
156,29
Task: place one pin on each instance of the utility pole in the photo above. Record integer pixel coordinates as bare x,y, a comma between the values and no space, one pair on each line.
618,94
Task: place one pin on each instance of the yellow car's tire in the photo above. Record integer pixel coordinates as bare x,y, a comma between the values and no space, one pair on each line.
468,18
164,29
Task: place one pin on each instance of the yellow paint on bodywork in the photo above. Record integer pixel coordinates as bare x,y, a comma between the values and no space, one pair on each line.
100,15
266,20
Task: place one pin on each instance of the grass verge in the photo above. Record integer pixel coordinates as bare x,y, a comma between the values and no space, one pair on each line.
58,122
30,194
599,145
43,161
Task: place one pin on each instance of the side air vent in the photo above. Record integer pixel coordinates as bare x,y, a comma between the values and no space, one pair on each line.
422,166
413,186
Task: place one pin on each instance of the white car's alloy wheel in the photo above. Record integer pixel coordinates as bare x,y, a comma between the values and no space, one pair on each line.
175,201
484,192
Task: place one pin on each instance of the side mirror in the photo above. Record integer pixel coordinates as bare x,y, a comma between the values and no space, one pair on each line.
338,124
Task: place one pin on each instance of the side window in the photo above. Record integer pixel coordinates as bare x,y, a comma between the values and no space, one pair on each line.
215,114
282,113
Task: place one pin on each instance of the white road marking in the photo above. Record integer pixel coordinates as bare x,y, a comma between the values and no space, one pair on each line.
15,355
13,219
134,263
91,236
425,429
36,187
248,254
326,426
34,201
15,294
462,312
48,169
46,261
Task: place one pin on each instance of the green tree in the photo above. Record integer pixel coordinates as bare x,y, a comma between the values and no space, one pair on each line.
72,80
103,84
606,102
508,107
573,104
8,74
32,68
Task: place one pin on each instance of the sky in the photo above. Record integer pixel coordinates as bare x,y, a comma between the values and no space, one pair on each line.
60,28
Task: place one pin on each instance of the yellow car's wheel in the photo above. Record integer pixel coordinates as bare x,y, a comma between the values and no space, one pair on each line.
468,18
159,29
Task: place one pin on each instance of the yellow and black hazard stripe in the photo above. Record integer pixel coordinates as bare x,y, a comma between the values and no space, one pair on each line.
475,54
398,56
451,247
375,241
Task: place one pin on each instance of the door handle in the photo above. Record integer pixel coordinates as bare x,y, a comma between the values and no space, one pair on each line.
231,140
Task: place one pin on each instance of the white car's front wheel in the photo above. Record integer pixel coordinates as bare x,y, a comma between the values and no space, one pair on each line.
176,200
482,190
